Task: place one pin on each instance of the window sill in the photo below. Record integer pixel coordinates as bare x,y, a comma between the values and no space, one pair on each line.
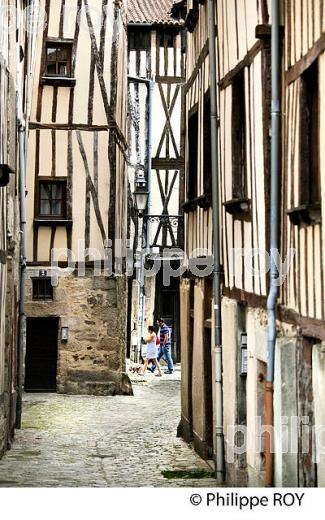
52,222
305,215
58,81
203,202
240,209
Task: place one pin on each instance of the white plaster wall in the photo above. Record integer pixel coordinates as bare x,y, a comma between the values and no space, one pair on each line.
319,393
285,407
229,344
257,351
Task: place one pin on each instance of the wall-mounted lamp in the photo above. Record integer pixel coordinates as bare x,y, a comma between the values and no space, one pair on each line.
65,334
141,196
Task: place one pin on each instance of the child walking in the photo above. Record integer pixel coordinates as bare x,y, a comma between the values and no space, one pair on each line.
152,351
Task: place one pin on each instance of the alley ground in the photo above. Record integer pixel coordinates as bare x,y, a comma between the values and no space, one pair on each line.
69,441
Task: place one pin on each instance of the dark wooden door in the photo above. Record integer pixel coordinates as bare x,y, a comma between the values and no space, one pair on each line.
167,307
41,354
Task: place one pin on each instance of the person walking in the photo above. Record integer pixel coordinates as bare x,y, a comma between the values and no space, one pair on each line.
152,351
165,346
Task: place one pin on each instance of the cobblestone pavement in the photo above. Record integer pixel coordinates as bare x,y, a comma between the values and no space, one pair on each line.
70,441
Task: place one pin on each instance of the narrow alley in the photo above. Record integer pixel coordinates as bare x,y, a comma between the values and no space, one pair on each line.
69,441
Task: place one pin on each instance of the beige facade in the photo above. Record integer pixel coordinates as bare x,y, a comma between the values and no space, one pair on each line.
244,102
77,200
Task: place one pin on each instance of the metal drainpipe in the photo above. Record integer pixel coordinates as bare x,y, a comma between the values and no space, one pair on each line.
219,462
274,225
22,196
150,87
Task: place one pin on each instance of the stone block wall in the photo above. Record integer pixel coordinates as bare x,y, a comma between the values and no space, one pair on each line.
92,361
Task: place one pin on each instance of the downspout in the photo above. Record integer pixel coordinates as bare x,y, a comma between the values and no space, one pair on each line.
151,87
274,235
22,201
217,350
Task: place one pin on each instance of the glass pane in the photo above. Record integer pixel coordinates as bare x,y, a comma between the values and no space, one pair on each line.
57,207
45,208
51,54
62,54
45,191
56,191
51,68
63,69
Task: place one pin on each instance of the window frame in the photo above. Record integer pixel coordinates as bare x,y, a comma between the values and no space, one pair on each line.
57,79
207,164
309,163
45,296
193,145
56,44
51,180
139,39
239,144
309,211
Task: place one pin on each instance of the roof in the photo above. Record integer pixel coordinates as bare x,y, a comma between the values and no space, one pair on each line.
152,11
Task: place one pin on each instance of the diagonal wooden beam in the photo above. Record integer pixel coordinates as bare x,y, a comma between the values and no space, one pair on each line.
90,186
99,66
168,125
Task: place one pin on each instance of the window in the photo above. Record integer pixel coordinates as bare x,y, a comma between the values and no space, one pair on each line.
193,129
52,199
58,59
207,170
166,38
309,137
239,188
139,40
42,289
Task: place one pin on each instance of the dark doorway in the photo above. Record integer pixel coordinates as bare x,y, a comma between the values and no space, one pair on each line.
41,354
167,307
208,415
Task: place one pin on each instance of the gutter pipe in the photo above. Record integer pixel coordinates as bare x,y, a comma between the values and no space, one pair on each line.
22,202
150,87
217,350
274,242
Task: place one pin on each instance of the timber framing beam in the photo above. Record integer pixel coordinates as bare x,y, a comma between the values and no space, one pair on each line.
294,72
227,80
309,327
203,55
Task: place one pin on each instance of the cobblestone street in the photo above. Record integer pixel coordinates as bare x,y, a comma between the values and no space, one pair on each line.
69,441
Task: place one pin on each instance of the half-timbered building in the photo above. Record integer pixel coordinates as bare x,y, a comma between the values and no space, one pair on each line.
244,107
14,19
9,227
77,201
157,53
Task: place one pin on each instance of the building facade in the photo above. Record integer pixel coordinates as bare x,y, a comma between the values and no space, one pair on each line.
12,21
156,52
77,202
244,143
9,237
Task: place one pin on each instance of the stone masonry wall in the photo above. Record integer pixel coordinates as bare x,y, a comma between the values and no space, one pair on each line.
92,361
